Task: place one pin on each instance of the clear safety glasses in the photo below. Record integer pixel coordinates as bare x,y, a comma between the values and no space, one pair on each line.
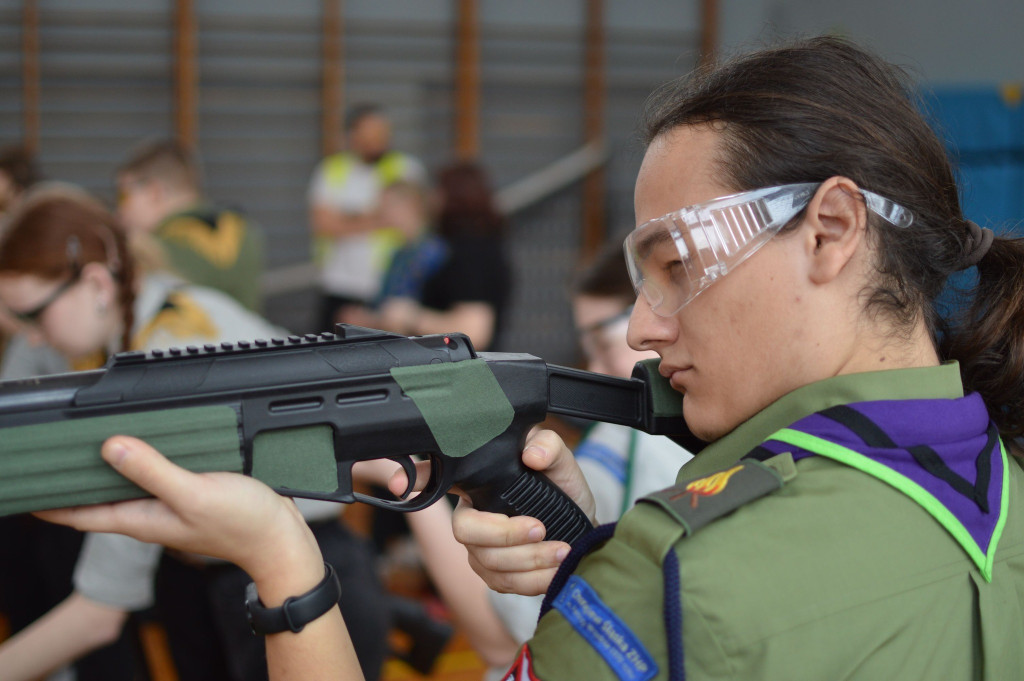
673,258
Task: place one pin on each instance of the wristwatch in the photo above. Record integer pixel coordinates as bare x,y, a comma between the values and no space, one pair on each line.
297,611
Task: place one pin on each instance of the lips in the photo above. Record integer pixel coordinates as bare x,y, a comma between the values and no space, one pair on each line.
676,375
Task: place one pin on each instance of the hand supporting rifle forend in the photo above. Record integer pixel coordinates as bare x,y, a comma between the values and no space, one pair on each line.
298,412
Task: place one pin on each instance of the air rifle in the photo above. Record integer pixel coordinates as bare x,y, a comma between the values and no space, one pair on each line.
298,412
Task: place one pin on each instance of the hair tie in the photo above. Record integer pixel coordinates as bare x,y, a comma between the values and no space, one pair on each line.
979,240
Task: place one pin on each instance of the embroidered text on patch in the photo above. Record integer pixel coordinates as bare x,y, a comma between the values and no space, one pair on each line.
605,631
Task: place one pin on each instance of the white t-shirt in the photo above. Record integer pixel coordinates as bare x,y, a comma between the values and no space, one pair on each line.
354,265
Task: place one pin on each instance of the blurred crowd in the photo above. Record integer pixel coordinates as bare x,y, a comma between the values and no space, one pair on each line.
398,248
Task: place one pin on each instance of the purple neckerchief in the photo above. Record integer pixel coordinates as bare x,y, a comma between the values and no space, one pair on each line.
959,431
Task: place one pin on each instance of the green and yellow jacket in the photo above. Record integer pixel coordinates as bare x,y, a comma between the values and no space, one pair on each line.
217,248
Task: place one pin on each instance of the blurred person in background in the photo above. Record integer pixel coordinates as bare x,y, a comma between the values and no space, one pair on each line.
409,206
66,271
469,290
352,243
18,172
159,189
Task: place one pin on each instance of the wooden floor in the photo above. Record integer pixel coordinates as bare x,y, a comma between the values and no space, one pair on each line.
458,662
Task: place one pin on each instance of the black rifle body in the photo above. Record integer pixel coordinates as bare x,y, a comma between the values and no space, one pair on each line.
345,382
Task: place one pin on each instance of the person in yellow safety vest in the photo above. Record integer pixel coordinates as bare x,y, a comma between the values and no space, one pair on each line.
351,243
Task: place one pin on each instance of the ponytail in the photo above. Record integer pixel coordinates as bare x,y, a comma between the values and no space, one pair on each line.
988,339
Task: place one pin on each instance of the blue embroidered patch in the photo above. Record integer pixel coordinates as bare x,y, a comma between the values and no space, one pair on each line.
605,631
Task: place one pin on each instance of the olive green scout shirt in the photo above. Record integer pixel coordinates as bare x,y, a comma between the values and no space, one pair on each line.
837,575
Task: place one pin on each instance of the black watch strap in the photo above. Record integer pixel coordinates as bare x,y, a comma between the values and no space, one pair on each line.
296,612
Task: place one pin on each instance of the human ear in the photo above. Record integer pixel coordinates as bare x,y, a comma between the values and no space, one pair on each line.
837,218
101,281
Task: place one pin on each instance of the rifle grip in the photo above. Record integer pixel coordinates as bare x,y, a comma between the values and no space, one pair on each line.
534,495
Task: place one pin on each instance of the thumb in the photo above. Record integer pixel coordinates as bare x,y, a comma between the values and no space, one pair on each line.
148,468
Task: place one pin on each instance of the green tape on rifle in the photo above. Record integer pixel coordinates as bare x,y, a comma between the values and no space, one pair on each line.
300,458
52,465
667,401
462,403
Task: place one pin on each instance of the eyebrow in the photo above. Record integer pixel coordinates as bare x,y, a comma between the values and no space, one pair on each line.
651,241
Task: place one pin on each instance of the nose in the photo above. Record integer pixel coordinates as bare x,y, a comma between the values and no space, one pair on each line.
647,330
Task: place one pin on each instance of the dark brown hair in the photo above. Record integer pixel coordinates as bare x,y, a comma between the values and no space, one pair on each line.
467,201
355,115
36,242
19,164
605,276
168,161
823,107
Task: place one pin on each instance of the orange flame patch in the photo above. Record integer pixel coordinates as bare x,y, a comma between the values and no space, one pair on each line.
709,486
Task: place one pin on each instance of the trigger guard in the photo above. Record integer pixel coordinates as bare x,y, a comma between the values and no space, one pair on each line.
410,474
437,486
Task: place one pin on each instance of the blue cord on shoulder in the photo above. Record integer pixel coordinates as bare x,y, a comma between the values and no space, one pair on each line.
673,612
672,608
580,548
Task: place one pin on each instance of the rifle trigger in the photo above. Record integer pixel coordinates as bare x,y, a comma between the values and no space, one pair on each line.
410,473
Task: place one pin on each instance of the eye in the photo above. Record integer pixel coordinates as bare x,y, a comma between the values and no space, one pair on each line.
677,269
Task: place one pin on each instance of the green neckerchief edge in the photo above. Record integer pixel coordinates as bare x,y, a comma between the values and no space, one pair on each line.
935,382
923,497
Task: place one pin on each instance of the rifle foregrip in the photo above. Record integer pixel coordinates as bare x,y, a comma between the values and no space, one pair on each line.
534,495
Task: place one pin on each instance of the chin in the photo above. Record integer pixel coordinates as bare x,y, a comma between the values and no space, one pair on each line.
703,424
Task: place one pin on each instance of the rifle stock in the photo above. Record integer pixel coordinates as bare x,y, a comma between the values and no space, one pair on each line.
298,412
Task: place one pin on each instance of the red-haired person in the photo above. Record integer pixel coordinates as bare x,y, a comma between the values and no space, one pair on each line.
67,273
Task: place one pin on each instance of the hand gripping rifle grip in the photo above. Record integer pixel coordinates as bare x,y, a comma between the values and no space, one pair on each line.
499,483
532,494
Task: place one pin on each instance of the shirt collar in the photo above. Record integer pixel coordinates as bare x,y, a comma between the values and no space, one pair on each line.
895,384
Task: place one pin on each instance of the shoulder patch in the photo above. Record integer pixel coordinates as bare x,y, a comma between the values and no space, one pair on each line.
695,503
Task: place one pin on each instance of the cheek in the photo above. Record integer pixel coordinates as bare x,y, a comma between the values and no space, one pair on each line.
72,327
741,349
132,212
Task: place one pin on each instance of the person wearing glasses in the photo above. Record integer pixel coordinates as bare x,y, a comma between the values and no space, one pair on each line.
856,513
68,274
